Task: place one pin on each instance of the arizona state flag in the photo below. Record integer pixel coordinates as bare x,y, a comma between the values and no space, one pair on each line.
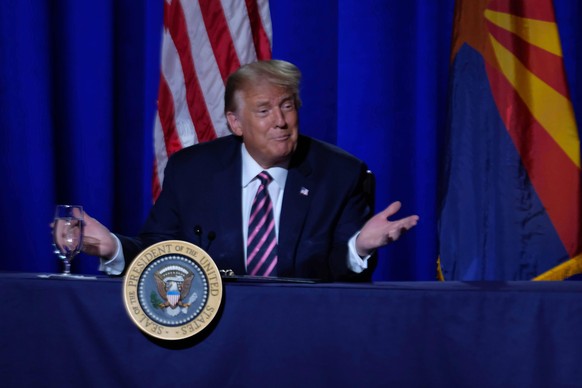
510,189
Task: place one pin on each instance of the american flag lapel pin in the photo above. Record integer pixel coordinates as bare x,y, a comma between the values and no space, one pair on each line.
304,191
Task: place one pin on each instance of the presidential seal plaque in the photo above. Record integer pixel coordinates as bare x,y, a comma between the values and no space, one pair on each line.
172,290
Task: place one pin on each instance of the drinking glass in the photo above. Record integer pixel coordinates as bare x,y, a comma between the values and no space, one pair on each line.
68,234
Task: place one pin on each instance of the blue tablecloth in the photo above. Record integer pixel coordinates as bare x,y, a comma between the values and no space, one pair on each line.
405,334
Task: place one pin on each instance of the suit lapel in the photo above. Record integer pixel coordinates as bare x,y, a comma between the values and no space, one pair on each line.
294,210
226,185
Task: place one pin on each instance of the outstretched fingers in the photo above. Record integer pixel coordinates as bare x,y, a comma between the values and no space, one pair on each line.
391,209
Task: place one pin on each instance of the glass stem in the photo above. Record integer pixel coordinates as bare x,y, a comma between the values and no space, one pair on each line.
67,270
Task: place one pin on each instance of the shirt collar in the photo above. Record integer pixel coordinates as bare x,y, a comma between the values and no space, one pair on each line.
250,169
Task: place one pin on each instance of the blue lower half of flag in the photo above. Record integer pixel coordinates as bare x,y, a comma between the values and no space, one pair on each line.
492,225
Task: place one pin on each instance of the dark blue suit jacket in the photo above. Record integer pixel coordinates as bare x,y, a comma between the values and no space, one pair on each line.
323,206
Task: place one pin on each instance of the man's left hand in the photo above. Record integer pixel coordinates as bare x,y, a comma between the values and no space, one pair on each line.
380,231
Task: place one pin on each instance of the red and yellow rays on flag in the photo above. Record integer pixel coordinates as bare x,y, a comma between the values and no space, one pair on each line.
520,43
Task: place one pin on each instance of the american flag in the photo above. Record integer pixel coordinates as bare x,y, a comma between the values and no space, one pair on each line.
203,42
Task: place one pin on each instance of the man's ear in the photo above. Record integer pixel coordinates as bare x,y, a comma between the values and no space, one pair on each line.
234,123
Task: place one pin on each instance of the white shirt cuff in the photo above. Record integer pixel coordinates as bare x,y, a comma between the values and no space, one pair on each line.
355,262
116,265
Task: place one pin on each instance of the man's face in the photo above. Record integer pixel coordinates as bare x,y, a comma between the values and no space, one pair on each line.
268,122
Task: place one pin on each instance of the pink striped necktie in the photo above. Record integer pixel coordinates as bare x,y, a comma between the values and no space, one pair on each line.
262,240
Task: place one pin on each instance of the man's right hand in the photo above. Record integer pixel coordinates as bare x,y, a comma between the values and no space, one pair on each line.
98,240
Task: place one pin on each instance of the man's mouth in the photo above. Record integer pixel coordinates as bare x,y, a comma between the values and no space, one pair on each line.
282,137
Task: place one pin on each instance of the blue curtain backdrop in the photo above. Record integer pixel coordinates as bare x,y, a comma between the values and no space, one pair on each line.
78,87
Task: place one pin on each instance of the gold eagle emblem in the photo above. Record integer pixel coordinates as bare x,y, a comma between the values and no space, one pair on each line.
173,286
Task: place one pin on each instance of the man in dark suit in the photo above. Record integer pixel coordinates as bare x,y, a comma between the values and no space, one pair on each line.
321,224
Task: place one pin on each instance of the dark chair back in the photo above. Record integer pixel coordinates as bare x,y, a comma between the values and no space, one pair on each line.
370,189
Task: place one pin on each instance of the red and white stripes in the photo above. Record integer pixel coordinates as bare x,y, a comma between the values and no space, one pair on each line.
204,41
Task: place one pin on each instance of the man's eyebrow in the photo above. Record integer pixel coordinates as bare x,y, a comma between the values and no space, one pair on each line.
261,103
266,102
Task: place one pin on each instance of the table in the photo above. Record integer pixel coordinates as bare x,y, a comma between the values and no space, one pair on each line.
402,334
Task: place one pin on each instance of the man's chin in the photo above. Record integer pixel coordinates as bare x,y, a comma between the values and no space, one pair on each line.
282,158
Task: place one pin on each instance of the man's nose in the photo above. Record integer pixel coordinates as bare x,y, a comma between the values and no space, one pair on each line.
279,118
